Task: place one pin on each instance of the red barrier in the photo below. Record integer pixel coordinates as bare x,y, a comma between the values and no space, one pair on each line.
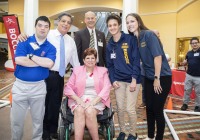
178,79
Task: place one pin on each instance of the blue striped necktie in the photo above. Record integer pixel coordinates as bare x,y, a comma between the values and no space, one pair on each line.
62,57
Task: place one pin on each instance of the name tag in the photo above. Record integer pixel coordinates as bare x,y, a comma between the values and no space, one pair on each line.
113,55
100,44
34,46
196,54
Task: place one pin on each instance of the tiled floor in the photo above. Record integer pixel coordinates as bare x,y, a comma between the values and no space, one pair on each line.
187,127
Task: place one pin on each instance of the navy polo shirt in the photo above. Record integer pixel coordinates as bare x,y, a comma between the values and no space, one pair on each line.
150,47
193,60
33,74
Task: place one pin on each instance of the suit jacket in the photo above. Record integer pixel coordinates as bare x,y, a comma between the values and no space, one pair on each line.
77,82
82,39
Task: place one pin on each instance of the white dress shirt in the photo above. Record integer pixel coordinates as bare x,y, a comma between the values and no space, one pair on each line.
71,55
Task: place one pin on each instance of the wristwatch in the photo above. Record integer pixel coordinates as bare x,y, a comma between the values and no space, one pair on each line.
156,77
30,56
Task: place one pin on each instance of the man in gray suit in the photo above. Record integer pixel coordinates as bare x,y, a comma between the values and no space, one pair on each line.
82,39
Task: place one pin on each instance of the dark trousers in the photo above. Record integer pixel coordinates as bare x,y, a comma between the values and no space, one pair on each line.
143,95
53,100
155,105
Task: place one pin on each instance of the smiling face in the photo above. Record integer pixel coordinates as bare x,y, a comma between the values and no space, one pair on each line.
132,25
113,27
64,24
41,29
90,61
194,44
90,19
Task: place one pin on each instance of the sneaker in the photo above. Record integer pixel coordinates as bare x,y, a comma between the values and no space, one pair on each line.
184,107
197,109
121,136
143,105
131,137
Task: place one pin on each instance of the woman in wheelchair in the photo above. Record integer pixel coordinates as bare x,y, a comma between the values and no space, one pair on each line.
88,91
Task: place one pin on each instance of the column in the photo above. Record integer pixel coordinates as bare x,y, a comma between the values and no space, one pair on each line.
129,6
30,15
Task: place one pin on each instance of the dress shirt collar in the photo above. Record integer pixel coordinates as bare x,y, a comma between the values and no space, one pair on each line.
90,30
57,33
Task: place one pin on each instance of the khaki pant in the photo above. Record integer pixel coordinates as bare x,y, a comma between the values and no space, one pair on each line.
126,102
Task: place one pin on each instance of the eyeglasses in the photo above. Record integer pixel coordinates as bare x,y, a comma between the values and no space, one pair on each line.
195,43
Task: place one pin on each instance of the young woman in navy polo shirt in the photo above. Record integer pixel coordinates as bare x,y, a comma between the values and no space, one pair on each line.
157,74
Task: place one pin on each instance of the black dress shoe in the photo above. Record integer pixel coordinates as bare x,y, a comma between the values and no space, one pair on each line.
54,135
46,135
46,138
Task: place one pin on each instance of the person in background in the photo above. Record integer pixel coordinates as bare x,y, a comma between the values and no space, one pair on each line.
34,58
192,79
88,90
123,63
66,48
91,37
158,78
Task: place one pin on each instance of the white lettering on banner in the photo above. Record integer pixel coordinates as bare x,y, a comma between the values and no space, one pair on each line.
13,37
178,83
10,21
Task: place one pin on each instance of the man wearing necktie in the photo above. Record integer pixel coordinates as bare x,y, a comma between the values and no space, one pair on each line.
66,53
84,38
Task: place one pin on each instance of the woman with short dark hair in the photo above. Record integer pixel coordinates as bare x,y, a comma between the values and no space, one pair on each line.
88,90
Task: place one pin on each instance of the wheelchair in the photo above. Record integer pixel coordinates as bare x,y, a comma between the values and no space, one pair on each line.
66,119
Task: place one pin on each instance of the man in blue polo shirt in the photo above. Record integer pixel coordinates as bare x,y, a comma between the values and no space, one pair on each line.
193,75
34,58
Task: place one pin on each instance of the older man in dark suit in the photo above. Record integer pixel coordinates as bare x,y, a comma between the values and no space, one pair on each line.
91,37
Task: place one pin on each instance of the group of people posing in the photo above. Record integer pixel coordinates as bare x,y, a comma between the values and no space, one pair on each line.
39,75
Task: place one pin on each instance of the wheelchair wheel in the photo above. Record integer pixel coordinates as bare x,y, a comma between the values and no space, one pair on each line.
108,133
67,134
62,129
112,128
111,123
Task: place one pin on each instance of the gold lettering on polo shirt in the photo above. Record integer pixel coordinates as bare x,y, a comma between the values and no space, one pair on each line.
126,56
125,47
143,44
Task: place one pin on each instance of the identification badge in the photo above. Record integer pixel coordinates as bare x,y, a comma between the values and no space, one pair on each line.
196,54
34,46
100,43
113,56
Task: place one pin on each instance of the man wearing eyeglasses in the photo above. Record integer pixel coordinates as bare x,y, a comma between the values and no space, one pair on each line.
192,79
